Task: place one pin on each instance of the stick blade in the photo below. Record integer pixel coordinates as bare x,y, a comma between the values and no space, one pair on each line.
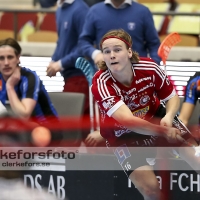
82,63
166,45
85,67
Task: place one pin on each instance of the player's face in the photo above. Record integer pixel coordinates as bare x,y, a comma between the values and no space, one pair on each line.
8,61
116,55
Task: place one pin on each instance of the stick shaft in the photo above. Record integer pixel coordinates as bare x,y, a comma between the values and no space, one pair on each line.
91,110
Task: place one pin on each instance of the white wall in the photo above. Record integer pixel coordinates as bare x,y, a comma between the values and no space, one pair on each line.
46,49
39,65
10,3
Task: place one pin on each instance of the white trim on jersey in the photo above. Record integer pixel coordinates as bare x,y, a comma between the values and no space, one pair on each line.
150,67
154,69
102,87
117,89
157,67
150,64
111,75
103,91
115,107
170,96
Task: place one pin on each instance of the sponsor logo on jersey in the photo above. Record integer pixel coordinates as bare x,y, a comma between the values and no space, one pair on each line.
141,112
132,105
144,100
143,79
146,87
133,97
130,91
118,133
122,153
109,103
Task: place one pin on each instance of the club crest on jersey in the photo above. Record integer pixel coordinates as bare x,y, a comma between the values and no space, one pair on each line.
144,100
141,112
122,153
109,103
65,25
131,26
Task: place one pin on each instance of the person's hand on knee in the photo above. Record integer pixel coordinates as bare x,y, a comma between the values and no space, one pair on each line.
94,139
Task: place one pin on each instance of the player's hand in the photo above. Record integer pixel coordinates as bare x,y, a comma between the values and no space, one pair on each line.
166,121
173,135
98,59
94,139
14,78
170,133
53,68
195,130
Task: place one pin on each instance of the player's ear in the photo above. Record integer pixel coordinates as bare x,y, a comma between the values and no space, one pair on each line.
130,52
18,57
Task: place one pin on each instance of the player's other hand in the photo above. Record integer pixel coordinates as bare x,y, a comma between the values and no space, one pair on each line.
166,121
94,139
173,135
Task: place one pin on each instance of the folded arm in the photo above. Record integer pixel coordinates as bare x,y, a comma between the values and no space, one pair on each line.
23,108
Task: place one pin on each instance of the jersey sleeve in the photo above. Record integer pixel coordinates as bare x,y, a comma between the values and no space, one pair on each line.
191,92
106,95
30,86
163,86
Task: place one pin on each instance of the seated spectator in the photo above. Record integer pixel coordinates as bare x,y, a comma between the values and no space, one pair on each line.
21,90
192,93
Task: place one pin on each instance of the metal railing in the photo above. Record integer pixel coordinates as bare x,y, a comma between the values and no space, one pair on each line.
45,10
16,11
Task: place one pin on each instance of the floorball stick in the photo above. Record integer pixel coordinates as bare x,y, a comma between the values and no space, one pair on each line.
88,70
166,45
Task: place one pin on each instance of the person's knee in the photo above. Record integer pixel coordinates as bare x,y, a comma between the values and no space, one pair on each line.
150,190
146,182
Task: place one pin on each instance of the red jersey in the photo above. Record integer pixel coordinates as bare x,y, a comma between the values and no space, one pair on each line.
150,85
